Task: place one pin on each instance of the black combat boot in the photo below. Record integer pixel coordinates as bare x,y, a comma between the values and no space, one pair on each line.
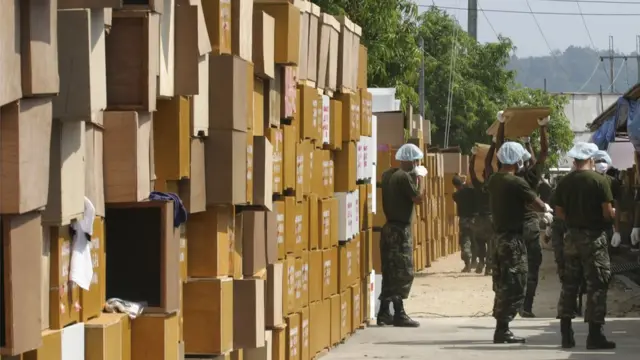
487,270
467,267
400,317
526,311
384,315
596,339
480,267
566,331
503,335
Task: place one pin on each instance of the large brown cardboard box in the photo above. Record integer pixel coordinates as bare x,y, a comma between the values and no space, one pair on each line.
262,172
294,214
144,261
289,285
346,164
171,138
51,348
316,278
235,262
25,144
64,295
21,244
200,103
276,139
279,343
293,337
39,46
210,236
94,166
345,314
82,64
261,353
11,89
330,272
346,257
325,218
127,139
312,203
92,300
193,191
191,45
108,337
350,116
311,113
226,167
320,325
305,278
304,334
132,49
263,44
390,128
289,158
314,34
67,159
335,319
356,307
366,112
271,236
228,93
335,127
287,30
208,316
274,296
254,260
257,121
161,330
242,28
280,209
217,15
248,313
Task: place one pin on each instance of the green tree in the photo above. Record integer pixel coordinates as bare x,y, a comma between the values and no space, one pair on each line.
389,31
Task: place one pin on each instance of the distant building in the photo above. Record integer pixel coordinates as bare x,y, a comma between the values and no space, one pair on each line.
581,110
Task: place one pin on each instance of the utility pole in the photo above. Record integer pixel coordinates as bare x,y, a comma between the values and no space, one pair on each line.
421,84
472,19
612,57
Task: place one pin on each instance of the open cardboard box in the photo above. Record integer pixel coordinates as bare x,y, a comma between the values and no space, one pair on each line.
520,121
481,155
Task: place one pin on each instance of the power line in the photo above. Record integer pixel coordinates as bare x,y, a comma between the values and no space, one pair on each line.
488,21
534,12
584,22
535,19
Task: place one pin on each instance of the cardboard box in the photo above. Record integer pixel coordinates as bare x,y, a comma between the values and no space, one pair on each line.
325,218
236,261
191,45
294,218
293,337
143,261
328,52
356,311
10,59
330,272
390,128
345,314
279,344
335,331
304,334
217,15
261,353
200,102
274,298
271,235
51,348
167,45
92,300
257,123
275,137
312,222
289,285
346,260
193,191
208,316
21,244
287,30
94,165
362,67
241,28
64,295
281,228
312,52
264,29
39,47
252,226
25,144
350,116
171,138
335,126
346,166
156,6
161,330
228,91
305,278
289,158
108,337
132,49
316,275
127,137
262,172
210,235
311,119
299,301
73,342
226,167
249,313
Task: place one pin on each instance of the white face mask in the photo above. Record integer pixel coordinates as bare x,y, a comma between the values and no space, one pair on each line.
602,167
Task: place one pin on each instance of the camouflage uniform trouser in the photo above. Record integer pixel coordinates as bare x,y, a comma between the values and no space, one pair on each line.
509,274
531,236
483,237
466,238
586,256
558,229
396,255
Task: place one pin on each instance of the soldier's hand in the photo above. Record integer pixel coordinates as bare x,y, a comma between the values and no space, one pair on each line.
544,121
474,149
616,239
494,139
635,236
500,116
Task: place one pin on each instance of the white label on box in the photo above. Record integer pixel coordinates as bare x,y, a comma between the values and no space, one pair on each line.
291,280
327,272
299,229
326,222
305,333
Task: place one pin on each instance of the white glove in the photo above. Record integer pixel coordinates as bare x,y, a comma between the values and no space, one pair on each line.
494,139
421,170
474,149
616,240
635,236
548,218
548,231
525,139
544,121
547,208
500,117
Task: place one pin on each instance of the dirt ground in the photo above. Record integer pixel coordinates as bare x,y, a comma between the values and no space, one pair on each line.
442,291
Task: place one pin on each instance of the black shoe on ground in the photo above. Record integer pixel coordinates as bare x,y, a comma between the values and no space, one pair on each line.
596,339
466,268
487,271
400,317
503,335
527,314
568,340
384,316
480,267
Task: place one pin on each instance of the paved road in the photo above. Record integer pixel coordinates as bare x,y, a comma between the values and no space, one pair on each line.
469,338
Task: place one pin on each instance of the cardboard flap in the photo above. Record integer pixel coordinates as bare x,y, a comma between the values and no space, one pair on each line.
520,121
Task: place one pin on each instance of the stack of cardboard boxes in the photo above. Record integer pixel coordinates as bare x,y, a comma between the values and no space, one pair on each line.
255,113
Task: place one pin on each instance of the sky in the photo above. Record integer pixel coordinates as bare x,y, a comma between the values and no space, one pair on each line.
560,31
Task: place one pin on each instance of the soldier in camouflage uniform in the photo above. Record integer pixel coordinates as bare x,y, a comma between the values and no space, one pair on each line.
510,195
465,201
483,226
402,189
583,199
